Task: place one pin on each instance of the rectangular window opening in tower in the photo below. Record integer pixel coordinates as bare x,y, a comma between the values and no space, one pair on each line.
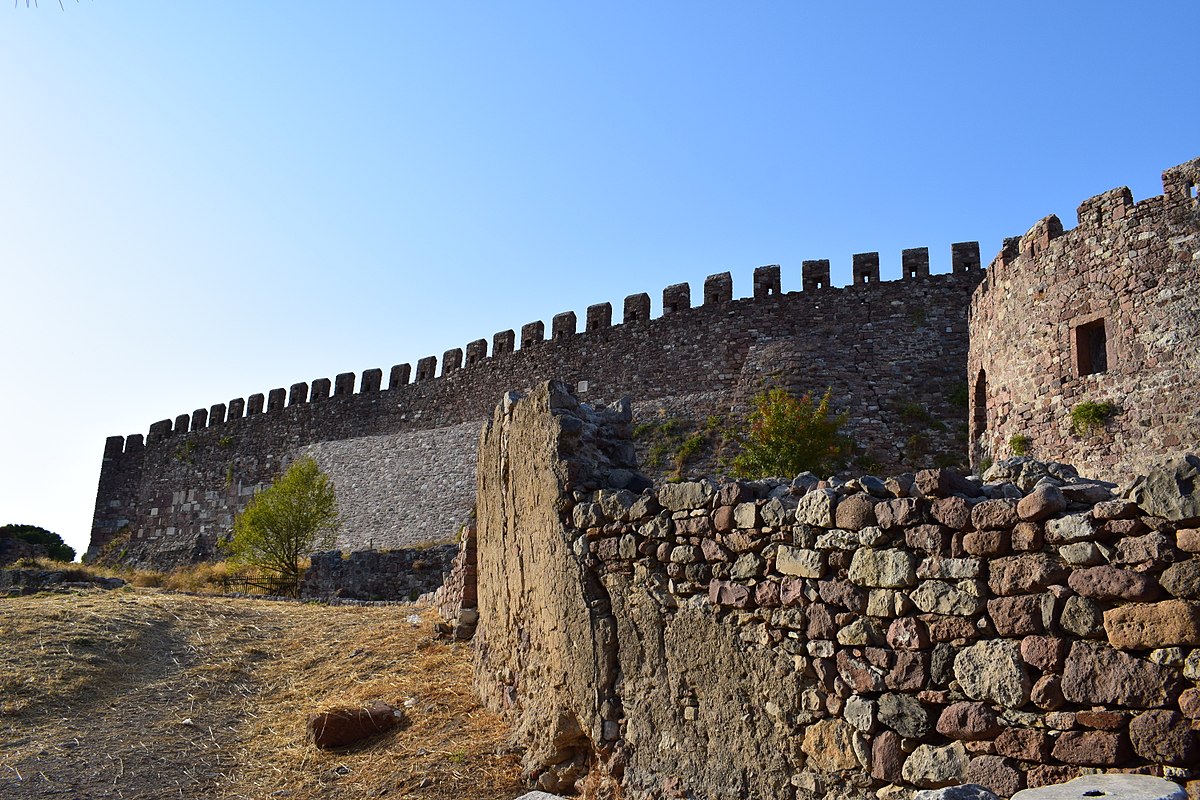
1091,348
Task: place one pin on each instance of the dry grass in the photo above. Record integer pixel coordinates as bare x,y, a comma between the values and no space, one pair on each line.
142,693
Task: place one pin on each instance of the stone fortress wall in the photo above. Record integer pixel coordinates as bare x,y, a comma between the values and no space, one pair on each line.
403,457
811,639
1104,313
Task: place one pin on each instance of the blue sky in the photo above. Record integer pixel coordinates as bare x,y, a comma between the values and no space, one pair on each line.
200,201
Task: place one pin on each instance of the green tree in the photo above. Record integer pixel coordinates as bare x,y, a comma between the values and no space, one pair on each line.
55,547
294,516
789,435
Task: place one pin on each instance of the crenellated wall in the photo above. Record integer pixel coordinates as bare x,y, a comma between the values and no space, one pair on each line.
888,349
1104,313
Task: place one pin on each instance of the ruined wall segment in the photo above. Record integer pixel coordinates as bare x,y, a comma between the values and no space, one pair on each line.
827,639
885,348
1104,313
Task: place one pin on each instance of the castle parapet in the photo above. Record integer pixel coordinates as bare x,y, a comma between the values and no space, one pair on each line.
476,352
1037,240
371,381
865,268
637,308
503,343
563,326
718,289
200,419
814,274
676,297
216,414
426,368
964,257
298,394
181,423
399,376
1180,182
452,360
254,403
320,389
766,281
1111,206
275,399
914,263
237,408
599,317
532,333
343,384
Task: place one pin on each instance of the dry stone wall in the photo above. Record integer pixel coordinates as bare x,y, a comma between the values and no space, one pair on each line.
1105,313
900,347
403,574
811,638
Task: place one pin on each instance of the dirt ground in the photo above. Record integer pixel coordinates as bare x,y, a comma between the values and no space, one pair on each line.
141,693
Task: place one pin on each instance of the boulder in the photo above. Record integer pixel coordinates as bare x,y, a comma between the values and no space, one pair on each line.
1111,785
1043,502
346,726
1097,674
1142,626
933,767
855,512
1170,490
963,791
884,569
1164,737
993,670
944,483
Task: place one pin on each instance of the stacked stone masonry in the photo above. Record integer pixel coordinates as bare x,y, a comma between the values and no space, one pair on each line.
1105,313
812,638
403,574
165,499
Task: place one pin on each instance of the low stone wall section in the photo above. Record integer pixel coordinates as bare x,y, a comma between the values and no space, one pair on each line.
378,575
813,638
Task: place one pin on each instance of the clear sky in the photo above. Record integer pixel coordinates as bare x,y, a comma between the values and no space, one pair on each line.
203,200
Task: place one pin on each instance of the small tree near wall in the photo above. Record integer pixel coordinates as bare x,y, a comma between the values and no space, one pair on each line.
789,435
285,522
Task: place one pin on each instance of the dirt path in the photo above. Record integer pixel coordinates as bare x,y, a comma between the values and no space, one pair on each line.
146,694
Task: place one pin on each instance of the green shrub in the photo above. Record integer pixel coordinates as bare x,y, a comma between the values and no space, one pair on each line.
1019,445
789,435
56,549
1088,416
282,524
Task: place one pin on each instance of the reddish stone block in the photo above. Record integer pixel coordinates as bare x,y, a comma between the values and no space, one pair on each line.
859,674
1047,693
1027,537
821,624
1001,775
947,629
1189,703
887,757
346,726
1092,748
1112,583
987,543
1188,540
969,721
766,594
994,515
1142,626
723,519
907,633
1164,737
791,592
1048,775
1044,652
843,594
1101,720
1017,616
1024,744
910,672
931,539
953,512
